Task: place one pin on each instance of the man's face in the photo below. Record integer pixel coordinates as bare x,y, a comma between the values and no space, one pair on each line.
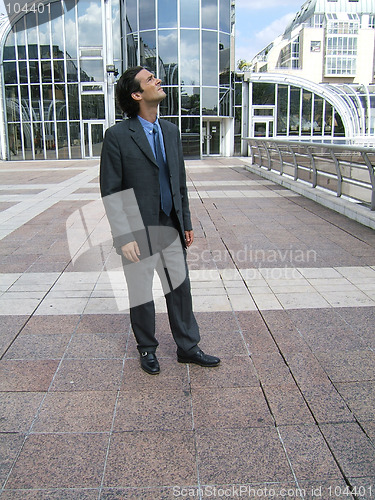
151,86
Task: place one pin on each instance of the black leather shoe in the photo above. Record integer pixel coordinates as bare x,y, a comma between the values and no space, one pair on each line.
199,358
149,363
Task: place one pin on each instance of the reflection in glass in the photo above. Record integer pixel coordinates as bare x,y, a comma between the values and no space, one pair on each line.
282,109
62,140
146,14
132,49
90,23
58,71
169,105
189,70
60,102
49,113
44,38
49,130
21,42
224,59
168,57
116,30
10,72
93,107
167,13
36,104
328,119
190,135
92,70
22,69
209,58
306,112
14,139
224,15
209,101
27,141
294,110
190,100
225,102
147,45
75,139
131,16
263,94
209,14
70,29
73,102
57,29
71,70
10,47
189,13
318,115
38,140
46,71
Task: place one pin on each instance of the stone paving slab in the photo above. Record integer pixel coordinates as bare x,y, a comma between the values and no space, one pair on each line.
284,293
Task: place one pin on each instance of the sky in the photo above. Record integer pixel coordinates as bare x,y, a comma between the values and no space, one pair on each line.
258,22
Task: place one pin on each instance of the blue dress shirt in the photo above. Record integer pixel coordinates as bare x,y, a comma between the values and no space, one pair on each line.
148,128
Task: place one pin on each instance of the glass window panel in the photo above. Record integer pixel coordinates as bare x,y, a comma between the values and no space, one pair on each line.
209,58
36,104
168,57
225,102
22,69
62,140
224,59
49,130
328,119
189,71
10,72
132,48
167,13
146,15
71,70
96,138
75,139
70,29
49,113
263,94
38,140
58,71
33,51
339,129
46,71
224,7
92,70
57,30
92,107
189,13
318,115
12,104
190,100
73,102
209,14
147,45
90,23
282,109
294,111
209,101
34,71
31,33
190,136
27,141
44,34
131,16
238,93
237,120
116,31
306,112
169,105
60,102
21,43
14,139
10,47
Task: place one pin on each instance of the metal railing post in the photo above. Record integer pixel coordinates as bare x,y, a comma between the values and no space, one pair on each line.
372,177
338,171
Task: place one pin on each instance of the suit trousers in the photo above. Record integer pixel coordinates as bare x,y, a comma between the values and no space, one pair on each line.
161,251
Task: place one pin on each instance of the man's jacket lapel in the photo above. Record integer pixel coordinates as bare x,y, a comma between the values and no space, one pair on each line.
139,137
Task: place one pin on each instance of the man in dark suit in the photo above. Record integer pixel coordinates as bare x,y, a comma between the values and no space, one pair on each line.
143,185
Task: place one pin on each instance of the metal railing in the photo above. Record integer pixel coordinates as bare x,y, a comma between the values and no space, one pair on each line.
342,170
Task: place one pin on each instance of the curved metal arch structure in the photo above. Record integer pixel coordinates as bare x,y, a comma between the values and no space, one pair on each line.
340,100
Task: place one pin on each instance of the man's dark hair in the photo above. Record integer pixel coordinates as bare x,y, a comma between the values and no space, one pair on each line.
126,85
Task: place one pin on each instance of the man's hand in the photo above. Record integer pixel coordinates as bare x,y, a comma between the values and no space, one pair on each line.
131,251
189,237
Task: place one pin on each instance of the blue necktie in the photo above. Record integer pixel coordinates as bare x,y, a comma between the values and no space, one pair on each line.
165,190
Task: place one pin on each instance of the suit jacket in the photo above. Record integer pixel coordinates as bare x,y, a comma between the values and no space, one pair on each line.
128,167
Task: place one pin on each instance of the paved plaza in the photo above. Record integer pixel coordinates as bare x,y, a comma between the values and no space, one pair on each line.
284,293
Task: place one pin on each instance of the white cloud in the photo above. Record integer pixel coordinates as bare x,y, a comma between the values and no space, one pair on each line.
248,47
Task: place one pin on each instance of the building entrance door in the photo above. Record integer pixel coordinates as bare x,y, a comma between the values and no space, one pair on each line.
93,132
211,137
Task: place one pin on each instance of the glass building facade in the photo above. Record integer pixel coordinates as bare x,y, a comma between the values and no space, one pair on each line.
61,61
